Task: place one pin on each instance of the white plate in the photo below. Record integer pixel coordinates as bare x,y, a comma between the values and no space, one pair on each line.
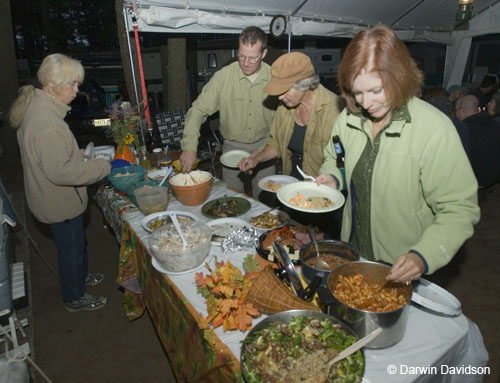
225,227
310,189
284,218
89,151
146,221
435,298
159,174
158,267
278,179
232,158
105,151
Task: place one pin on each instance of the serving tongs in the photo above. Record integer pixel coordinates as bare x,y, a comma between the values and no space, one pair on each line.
288,271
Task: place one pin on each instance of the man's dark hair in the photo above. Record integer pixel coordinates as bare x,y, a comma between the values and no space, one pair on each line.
251,35
488,80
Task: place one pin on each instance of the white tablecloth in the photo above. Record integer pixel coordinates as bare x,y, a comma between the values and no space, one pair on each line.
435,348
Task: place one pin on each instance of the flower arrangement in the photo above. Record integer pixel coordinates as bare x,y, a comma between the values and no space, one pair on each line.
124,124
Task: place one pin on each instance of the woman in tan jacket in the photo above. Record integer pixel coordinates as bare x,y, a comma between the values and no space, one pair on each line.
55,173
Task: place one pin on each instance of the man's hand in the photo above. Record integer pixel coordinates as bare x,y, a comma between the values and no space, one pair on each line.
408,267
326,179
188,158
247,163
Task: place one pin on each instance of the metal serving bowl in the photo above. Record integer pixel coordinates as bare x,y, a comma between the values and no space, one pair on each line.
325,246
393,323
286,317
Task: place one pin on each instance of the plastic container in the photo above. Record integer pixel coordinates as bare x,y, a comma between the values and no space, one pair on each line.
151,199
166,245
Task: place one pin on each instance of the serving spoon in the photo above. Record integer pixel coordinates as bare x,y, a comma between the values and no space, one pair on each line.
173,217
320,263
167,173
322,377
304,175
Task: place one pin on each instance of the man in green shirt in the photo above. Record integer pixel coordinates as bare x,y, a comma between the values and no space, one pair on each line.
246,112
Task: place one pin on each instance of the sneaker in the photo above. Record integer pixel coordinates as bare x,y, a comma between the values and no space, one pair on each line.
93,279
86,303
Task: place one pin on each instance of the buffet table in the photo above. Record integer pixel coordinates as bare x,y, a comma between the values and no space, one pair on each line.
435,348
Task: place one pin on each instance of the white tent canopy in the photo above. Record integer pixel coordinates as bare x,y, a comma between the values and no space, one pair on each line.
413,20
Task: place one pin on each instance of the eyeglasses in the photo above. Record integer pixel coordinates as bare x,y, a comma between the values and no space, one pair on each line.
73,83
251,60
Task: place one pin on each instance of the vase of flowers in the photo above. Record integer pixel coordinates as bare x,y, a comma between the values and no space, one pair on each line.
123,129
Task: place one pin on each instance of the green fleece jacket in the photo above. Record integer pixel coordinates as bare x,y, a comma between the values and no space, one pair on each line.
423,194
55,173
245,111
325,111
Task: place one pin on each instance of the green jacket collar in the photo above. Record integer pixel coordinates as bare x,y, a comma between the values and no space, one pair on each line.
400,117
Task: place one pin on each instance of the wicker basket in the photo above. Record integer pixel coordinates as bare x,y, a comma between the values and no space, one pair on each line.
269,295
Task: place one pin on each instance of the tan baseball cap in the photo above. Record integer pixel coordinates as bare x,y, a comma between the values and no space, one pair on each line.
287,70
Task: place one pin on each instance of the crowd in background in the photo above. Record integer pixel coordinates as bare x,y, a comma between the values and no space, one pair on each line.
476,115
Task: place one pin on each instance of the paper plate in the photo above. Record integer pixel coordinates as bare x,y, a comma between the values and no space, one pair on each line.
105,151
159,268
89,151
235,206
164,215
277,180
307,190
222,227
435,298
232,158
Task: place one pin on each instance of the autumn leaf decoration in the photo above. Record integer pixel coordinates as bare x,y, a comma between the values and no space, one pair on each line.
225,289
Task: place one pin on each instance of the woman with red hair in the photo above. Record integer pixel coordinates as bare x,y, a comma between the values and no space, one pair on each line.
412,194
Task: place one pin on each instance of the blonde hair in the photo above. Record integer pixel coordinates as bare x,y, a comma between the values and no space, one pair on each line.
56,69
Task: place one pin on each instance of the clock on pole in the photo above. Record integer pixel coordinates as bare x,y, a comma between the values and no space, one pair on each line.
278,26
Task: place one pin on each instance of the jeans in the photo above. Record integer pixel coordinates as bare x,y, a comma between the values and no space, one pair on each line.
71,257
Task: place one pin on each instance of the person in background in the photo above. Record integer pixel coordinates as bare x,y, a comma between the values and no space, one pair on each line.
301,127
455,92
484,139
246,112
412,194
55,173
494,108
437,97
484,91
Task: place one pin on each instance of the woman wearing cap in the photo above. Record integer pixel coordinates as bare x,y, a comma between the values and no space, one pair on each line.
303,122
412,194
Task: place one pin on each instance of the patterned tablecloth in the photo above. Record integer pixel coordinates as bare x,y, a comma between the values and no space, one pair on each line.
199,353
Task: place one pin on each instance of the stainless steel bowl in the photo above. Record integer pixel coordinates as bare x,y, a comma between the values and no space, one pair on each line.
286,317
325,246
393,323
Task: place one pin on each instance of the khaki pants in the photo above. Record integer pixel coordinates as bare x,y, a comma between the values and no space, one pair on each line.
247,183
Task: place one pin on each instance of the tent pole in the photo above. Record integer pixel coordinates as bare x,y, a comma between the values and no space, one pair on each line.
141,73
133,69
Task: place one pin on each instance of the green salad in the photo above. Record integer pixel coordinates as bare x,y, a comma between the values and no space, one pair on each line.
296,351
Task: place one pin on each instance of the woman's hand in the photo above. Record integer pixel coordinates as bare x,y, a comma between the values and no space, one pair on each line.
326,179
408,267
